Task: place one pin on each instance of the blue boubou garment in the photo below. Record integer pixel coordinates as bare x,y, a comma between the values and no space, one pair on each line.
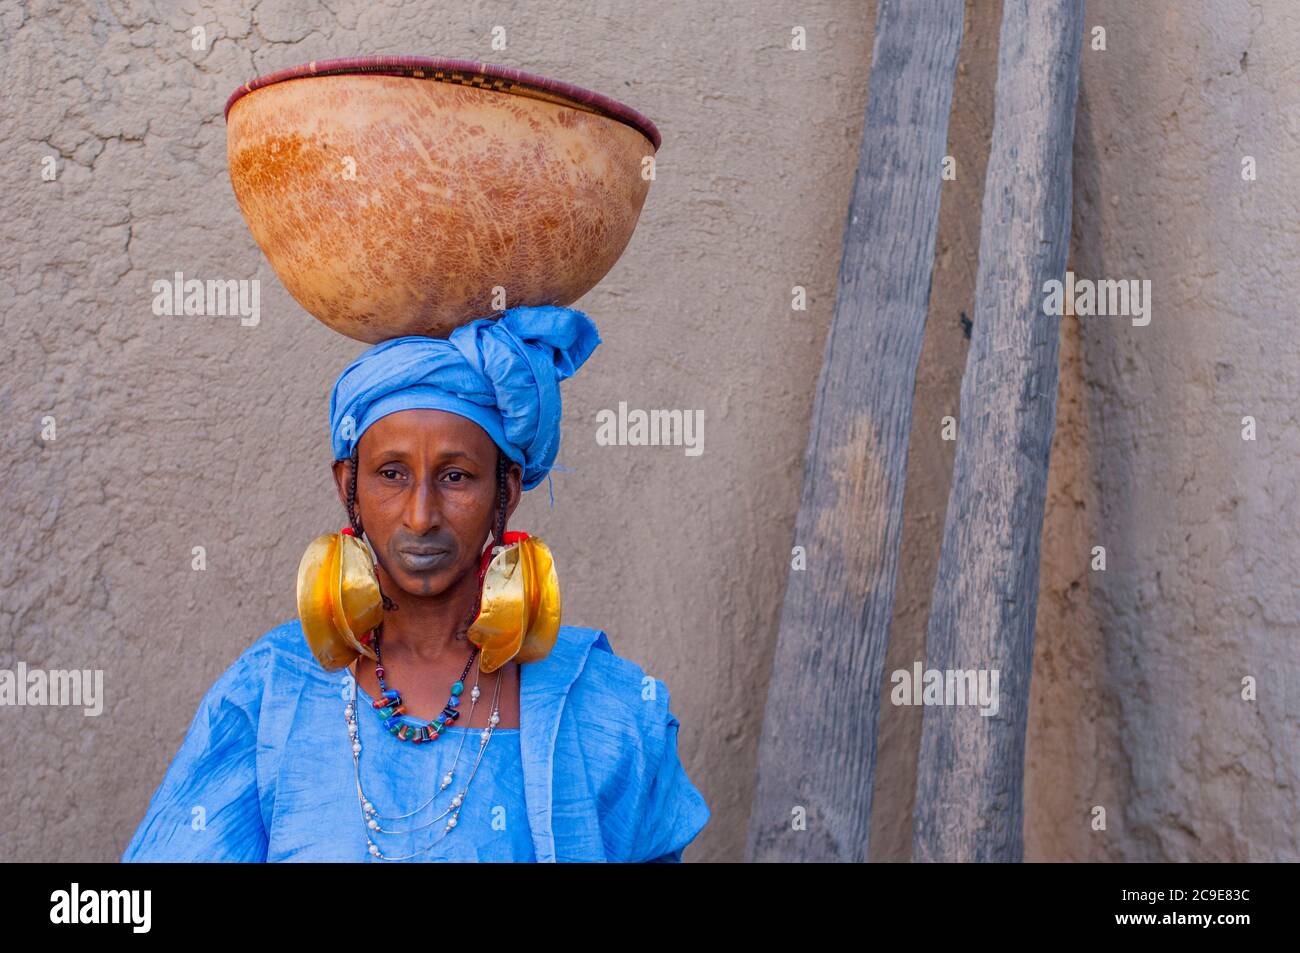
266,773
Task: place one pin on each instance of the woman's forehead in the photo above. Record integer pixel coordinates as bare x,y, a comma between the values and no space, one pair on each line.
427,430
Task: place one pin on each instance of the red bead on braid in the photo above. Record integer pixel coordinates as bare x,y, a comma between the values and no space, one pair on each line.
512,536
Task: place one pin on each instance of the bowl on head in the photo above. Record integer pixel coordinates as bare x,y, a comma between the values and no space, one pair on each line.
404,195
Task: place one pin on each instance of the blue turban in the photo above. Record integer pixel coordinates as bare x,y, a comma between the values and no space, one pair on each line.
502,373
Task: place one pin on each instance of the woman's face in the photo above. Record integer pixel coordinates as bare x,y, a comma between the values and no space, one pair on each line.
427,496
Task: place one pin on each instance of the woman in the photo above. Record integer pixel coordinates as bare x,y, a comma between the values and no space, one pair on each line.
420,754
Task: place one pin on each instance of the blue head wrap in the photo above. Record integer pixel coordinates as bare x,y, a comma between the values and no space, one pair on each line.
502,373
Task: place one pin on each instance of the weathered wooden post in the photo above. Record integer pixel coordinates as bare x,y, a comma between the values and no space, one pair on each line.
818,746
970,774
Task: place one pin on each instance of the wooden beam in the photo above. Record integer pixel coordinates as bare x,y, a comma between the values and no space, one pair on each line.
970,774
818,746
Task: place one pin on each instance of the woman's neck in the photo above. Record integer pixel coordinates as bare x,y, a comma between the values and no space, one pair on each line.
429,629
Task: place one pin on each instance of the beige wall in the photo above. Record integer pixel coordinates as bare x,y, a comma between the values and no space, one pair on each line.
182,432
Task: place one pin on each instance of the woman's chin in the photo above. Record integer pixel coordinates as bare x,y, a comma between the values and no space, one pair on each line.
428,584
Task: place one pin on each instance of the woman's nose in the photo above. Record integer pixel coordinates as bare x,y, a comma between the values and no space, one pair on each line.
423,514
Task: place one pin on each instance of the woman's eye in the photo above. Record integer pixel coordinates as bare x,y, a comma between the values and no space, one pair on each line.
456,473
389,474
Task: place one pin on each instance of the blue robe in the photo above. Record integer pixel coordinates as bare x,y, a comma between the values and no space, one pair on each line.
266,773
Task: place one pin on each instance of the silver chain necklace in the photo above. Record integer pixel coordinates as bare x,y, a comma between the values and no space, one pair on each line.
371,817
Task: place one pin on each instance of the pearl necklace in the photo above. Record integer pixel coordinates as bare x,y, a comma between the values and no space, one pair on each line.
371,816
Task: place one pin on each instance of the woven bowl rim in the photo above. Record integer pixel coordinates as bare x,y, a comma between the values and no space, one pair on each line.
414,65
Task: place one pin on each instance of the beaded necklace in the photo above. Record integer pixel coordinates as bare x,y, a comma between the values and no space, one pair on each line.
389,703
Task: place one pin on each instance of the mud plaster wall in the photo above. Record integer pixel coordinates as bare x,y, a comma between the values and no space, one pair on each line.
182,432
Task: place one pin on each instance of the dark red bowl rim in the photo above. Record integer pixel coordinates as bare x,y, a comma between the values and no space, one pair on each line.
405,65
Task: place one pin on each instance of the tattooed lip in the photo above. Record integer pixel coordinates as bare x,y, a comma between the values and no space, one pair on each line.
422,560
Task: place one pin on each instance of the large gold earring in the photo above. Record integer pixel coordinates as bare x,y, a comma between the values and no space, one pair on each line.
339,601
519,616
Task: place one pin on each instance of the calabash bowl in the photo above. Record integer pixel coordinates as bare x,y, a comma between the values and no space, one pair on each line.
410,195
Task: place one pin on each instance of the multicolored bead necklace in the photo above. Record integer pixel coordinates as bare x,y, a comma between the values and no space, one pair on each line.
389,704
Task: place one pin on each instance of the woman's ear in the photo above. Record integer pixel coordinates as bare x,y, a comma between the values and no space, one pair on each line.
342,478
514,488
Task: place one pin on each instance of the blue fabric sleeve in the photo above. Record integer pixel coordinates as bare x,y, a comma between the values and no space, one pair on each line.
207,807
676,811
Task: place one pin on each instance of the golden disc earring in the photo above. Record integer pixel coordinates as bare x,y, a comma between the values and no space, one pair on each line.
519,612
339,602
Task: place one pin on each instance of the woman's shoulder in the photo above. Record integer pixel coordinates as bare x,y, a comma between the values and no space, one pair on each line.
278,653
609,669
608,679
284,646
215,799
284,642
